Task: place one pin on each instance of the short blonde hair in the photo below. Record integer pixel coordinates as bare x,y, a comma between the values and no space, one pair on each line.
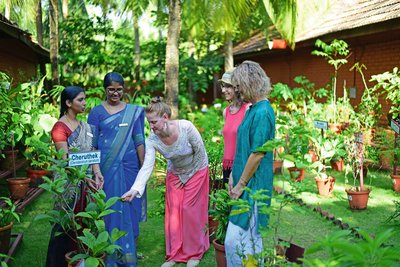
251,80
158,107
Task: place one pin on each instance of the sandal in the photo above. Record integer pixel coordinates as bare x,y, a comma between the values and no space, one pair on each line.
140,255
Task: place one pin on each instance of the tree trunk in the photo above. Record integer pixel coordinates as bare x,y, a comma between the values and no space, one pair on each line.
65,8
191,54
228,51
53,14
172,56
39,22
137,53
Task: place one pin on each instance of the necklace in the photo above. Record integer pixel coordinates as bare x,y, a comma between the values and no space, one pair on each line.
70,123
113,108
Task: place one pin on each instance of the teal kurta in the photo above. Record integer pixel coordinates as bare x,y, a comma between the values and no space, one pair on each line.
257,127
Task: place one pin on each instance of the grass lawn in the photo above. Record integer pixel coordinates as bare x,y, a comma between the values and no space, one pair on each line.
300,224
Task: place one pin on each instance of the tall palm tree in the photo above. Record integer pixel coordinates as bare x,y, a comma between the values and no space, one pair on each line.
64,8
172,56
39,21
53,16
137,8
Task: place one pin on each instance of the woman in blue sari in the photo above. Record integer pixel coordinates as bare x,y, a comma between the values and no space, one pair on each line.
120,129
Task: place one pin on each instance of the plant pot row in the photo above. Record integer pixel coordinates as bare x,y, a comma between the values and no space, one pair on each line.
19,186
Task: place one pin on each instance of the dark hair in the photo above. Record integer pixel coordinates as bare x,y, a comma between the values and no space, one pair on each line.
69,93
158,107
113,77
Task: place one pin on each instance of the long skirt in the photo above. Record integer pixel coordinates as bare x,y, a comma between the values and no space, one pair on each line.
186,217
240,243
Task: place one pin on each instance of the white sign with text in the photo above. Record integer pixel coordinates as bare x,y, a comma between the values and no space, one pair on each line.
321,124
84,158
395,125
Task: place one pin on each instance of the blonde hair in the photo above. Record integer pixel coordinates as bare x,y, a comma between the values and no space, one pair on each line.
158,107
251,80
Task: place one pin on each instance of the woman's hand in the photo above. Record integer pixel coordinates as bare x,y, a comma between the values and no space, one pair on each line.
179,184
130,195
92,184
99,180
237,191
230,183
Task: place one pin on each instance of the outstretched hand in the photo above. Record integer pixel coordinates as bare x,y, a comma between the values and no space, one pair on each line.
130,195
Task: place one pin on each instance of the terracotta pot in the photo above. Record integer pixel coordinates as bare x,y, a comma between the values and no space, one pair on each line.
358,200
277,44
313,155
337,165
7,163
36,176
325,186
219,254
296,173
277,167
396,182
212,227
336,127
5,237
294,252
18,187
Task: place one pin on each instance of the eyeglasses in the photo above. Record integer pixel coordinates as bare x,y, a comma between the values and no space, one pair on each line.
113,90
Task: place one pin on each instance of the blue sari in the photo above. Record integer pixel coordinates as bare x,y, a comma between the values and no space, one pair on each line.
118,137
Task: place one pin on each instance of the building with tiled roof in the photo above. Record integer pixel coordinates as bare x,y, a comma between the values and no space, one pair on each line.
20,56
370,27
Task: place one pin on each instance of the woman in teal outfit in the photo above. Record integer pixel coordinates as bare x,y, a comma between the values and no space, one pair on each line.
251,168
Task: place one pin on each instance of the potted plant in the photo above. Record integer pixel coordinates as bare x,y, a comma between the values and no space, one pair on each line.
390,83
337,160
38,153
395,175
18,186
357,195
8,216
296,151
325,150
87,228
220,209
336,54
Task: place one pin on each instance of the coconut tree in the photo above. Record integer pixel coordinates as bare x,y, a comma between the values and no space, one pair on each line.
172,56
137,8
39,21
53,16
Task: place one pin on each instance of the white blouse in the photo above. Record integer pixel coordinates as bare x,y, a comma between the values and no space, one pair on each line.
185,157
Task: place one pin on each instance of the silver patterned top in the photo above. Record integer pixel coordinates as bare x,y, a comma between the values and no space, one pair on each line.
185,157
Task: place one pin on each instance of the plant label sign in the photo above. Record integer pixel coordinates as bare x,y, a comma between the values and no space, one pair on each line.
359,138
321,124
395,125
84,158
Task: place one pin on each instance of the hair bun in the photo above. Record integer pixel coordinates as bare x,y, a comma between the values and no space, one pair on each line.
157,99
